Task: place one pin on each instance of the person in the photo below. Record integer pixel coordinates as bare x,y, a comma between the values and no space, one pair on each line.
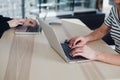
7,23
112,25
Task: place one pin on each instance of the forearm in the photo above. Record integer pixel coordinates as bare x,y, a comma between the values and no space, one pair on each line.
98,33
108,58
94,36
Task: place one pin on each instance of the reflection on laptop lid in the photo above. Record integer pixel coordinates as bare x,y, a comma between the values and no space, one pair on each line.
62,48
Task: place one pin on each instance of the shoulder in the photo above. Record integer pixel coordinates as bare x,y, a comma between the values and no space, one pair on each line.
1,16
113,10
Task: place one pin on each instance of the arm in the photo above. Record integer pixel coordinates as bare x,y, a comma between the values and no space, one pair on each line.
108,58
6,23
26,22
95,35
9,22
89,53
98,33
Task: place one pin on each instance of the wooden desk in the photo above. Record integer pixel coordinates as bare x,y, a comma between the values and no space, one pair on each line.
29,57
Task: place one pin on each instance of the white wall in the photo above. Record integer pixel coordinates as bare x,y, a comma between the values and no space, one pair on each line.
106,7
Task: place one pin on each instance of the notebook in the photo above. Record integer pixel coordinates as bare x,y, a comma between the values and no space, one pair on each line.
61,48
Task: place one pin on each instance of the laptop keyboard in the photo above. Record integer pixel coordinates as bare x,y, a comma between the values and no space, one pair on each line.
33,29
22,28
68,50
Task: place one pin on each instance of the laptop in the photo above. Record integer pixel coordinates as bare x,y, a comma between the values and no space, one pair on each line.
22,29
62,49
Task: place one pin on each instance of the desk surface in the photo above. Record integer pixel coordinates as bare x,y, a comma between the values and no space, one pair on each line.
30,57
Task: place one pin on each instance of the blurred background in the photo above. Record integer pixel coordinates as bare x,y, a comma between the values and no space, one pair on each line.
30,8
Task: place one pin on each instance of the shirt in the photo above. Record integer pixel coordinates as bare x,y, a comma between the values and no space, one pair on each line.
113,22
3,24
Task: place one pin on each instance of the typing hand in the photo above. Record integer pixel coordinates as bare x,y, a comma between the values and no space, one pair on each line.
16,22
25,22
30,22
77,41
84,51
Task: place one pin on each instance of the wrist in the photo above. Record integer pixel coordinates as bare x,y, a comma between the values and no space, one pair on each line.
87,39
97,55
8,22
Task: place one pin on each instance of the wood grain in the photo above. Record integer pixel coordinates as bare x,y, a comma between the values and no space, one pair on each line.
19,62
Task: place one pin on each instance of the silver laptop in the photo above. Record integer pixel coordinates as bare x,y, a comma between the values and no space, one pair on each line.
21,29
62,48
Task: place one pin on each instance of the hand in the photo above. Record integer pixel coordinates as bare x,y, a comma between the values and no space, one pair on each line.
84,51
16,22
25,22
30,22
77,41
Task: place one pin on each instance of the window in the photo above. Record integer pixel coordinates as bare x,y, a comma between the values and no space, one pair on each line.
67,6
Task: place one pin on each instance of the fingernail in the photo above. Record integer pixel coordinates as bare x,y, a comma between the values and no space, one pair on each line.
31,22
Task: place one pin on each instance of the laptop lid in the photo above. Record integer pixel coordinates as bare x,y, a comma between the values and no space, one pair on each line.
57,46
52,39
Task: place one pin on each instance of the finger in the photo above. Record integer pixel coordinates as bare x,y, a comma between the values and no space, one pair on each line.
71,41
20,23
77,41
21,20
33,23
77,54
77,46
76,51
